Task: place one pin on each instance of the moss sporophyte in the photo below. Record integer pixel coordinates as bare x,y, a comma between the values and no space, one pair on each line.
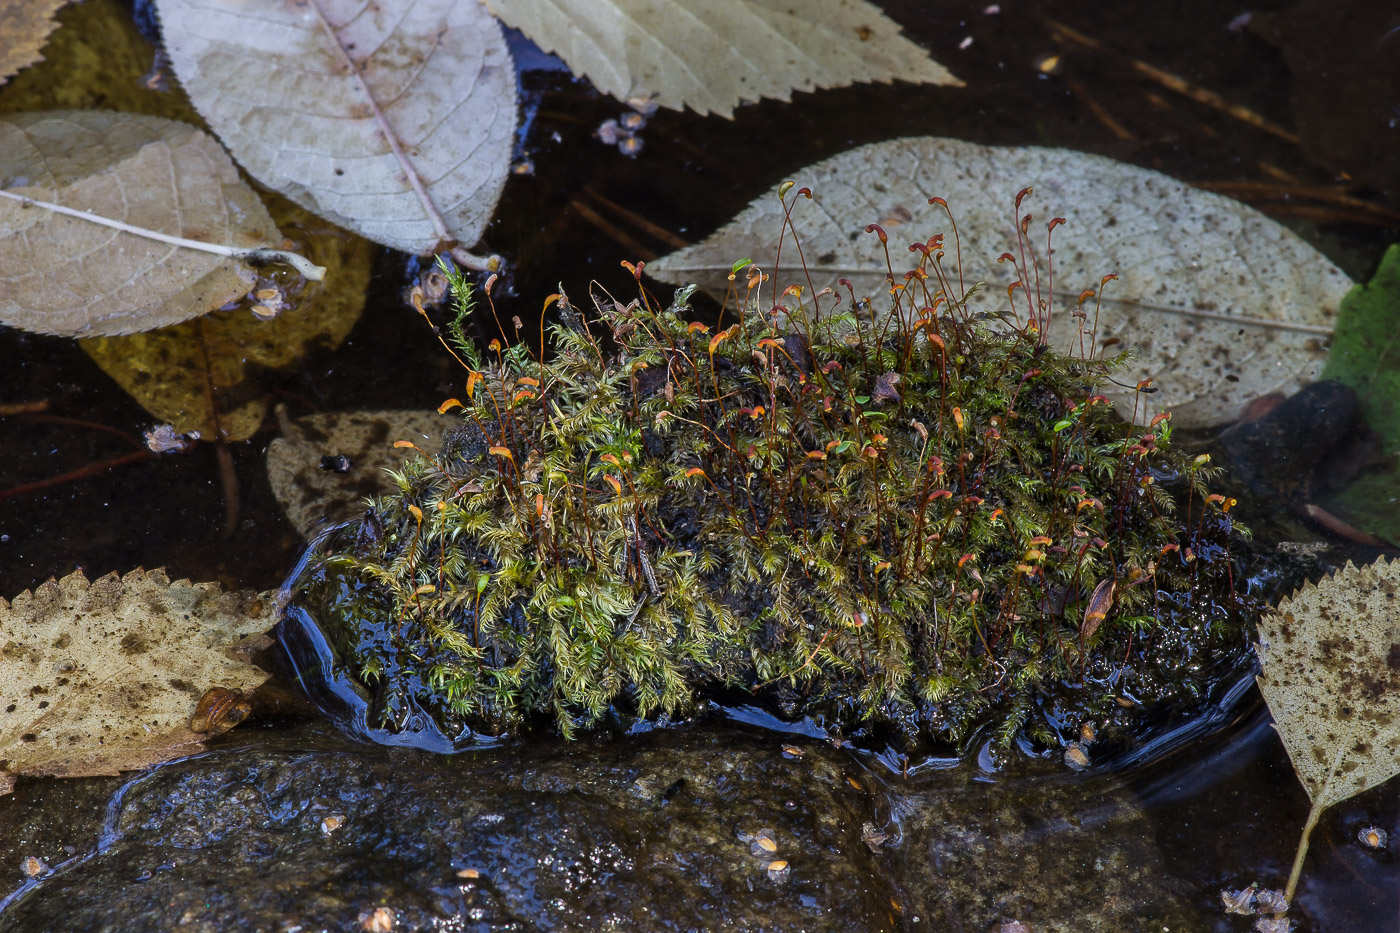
919,516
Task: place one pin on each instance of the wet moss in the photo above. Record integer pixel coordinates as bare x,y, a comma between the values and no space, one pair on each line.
913,517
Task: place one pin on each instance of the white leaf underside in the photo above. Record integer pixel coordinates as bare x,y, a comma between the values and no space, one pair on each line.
273,84
711,55
1176,250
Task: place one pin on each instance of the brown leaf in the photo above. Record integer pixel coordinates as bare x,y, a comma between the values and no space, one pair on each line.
211,374
1099,603
26,26
102,677
70,277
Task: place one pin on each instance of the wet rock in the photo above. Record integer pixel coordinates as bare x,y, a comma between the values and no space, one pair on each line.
703,827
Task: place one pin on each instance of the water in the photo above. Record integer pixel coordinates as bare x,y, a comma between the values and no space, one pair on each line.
1226,807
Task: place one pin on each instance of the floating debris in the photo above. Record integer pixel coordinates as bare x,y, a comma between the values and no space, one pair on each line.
1373,838
1076,757
1241,901
333,822
778,870
34,867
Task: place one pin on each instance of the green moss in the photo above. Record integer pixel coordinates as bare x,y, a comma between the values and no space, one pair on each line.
897,519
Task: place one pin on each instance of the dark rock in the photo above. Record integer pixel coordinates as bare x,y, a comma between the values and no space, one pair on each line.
673,830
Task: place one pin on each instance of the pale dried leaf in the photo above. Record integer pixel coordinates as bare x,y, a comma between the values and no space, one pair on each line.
26,26
311,495
1175,250
66,276
213,375
103,677
1331,676
711,55
273,82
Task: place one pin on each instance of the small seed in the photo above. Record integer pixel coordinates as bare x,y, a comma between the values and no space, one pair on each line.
792,751
1373,837
34,867
331,823
1076,758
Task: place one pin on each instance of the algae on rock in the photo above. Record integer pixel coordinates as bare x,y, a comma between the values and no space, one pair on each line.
907,517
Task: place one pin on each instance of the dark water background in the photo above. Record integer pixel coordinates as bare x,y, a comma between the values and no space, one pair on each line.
1227,808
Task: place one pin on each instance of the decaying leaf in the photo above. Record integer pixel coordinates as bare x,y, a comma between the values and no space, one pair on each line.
711,55
103,677
394,120
26,26
209,375
311,493
1330,657
66,276
1177,252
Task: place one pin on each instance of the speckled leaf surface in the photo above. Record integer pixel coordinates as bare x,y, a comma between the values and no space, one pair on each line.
312,496
711,55
102,677
291,89
26,26
66,276
1331,676
1174,249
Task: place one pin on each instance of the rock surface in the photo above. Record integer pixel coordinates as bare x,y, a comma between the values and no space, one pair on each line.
674,830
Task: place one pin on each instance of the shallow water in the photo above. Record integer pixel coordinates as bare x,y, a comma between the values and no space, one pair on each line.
1225,808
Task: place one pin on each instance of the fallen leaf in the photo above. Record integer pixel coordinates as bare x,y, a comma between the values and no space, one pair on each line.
711,55
26,26
70,277
309,494
210,375
102,677
1177,252
1330,658
97,60
394,120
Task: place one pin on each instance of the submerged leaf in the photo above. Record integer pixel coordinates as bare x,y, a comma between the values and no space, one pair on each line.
310,493
66,276
26,25
1177,252
205,375
711,55
395,120
104,677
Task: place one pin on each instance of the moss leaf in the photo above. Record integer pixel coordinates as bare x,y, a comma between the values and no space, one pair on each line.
1176,251
102,677
711,55
67,276
344,115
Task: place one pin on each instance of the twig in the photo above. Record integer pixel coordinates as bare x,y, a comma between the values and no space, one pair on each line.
23,408
90,470
1180,85
633,247
303,265
656,230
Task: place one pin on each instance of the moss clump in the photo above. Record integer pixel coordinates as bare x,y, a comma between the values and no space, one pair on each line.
915,516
